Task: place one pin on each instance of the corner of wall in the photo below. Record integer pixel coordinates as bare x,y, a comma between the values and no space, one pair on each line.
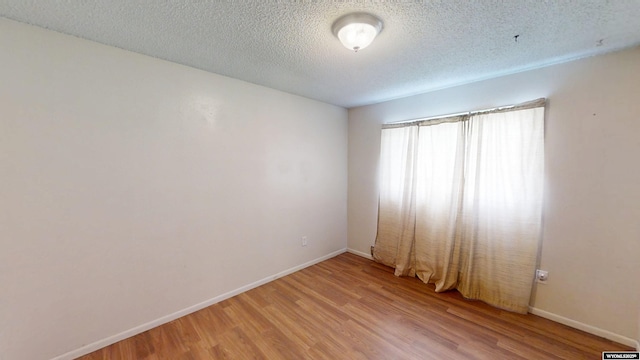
360,253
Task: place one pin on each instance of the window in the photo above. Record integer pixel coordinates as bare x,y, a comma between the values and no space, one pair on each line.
461,202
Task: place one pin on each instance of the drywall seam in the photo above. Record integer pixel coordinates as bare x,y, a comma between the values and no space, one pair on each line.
584,327
178,314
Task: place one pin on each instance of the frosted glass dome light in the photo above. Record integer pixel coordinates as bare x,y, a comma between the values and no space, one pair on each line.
357,31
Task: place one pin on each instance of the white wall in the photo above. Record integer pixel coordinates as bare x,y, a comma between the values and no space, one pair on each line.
132,188
591,239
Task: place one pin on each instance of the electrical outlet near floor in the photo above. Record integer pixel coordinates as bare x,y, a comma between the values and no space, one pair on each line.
304,241
542,276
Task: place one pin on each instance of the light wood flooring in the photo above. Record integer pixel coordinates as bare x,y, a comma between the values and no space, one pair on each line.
349,307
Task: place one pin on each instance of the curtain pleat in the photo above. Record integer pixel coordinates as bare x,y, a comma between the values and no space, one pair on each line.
438,197
461,204
395,245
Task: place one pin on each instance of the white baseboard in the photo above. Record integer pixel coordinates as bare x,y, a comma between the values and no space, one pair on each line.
360,253
178,314
584,327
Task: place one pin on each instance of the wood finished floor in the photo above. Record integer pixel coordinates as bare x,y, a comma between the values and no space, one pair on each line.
349,307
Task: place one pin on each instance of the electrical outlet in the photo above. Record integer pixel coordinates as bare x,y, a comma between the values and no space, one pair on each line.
304,241
542,276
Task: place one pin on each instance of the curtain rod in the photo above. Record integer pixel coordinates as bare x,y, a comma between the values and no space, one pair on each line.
526,105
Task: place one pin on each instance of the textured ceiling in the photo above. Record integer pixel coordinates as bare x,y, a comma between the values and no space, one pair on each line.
288,45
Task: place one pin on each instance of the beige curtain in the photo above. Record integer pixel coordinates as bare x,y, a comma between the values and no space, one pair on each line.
461,203
399,163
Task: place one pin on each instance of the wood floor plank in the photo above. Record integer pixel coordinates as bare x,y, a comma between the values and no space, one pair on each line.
349,307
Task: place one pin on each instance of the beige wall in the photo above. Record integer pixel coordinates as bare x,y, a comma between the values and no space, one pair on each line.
132,188
591,239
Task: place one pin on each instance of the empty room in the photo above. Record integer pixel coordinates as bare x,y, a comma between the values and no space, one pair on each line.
319,179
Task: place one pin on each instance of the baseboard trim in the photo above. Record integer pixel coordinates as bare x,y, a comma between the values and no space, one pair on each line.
178,314
359,253
585,327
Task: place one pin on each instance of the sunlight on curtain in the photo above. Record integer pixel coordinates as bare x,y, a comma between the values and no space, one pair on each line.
398,159
438,196
461,204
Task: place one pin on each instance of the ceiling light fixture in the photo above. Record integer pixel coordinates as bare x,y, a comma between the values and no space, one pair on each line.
356,31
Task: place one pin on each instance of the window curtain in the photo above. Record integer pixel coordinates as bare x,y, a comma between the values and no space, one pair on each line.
461,202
